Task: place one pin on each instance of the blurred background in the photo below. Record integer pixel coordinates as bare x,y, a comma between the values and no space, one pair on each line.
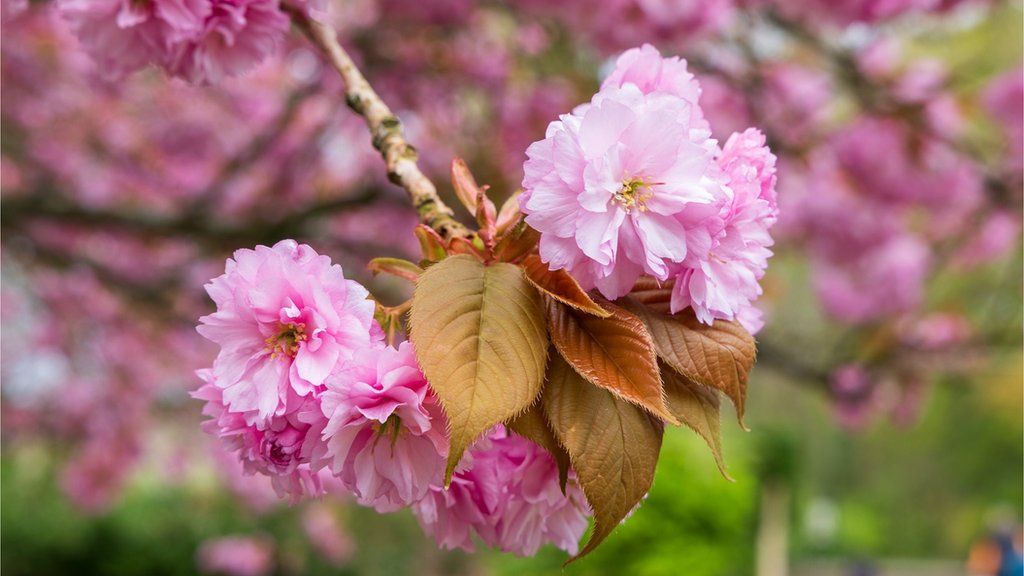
886,405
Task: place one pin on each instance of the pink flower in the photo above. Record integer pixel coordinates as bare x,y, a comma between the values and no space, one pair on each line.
508,495
887,161
846,12
725,107
200,40
621,187
280,447
867,264
795,101
751,318
238,35
647,70
721,282
385,434
750,167
125,35
236,556
286,317
885,280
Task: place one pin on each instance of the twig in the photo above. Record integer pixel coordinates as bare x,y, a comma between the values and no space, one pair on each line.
388,136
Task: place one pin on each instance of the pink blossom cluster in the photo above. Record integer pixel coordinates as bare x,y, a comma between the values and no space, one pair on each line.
876,200
855,204
385,434
286,320
114,215
81,373
98,142
97,147
633,184
203,41
104,307
613,25
506,493
305,392
845,12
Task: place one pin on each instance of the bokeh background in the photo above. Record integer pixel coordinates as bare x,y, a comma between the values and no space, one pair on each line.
886,406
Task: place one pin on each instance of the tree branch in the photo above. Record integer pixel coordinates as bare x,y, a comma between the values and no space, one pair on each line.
388,136
43,206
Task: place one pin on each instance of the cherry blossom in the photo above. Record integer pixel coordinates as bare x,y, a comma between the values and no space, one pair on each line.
621,187
508,495
385,430
286,316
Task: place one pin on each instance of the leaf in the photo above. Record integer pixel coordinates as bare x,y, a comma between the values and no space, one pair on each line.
485,214
613,446
698,407
466,188
509,214
561,286
533,426
396,267
719,356
431,244
479,336
614,353
653,294
519,241
388,324
468,246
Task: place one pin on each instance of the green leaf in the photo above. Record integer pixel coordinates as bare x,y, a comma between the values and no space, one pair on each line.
613,446
480,337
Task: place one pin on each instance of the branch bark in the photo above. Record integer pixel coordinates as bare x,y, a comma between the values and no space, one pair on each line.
386,130
43,205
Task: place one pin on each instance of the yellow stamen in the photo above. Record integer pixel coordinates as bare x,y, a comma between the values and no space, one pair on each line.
634,194
286,341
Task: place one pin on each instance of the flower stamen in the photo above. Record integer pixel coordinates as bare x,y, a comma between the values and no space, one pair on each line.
286,341
634,194
390,429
